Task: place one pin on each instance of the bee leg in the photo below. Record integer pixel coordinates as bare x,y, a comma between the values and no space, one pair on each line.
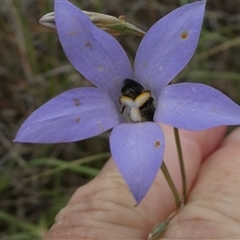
123,109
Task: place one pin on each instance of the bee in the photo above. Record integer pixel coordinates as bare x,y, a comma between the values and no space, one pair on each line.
136,101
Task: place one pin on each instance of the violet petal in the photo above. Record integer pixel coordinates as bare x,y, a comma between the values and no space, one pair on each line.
168,46
195,106
137,150
71,116
94,53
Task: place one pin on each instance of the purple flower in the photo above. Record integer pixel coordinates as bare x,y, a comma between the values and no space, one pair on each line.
81,113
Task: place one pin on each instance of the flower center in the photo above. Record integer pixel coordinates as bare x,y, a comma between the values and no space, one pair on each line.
136,102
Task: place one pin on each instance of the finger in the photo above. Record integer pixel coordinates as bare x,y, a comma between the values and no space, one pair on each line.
104,208
212,211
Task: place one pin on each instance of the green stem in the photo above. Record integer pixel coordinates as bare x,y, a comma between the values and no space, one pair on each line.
181,162
171,184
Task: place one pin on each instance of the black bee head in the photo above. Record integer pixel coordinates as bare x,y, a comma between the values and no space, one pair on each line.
131,88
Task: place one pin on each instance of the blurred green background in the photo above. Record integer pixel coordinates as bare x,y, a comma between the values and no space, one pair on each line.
37,180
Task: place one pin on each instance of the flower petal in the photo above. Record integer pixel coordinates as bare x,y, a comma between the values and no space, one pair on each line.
71,116
137,150
195,106
168,46
93,52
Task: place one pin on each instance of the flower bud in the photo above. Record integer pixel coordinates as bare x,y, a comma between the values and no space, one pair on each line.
112,25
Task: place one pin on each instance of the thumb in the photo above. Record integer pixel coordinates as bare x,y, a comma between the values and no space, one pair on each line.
104,208
212,211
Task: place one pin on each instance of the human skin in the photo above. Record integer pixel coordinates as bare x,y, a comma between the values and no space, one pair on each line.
104,208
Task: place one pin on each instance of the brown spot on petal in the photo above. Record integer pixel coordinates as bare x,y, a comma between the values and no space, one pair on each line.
100,68
88,45
184,35
144,64
77,101
77,119
101,127
73,33
157,144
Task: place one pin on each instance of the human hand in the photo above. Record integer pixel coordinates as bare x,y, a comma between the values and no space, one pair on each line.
104,208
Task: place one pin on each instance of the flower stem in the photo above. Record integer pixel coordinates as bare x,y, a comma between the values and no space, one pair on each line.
171,184
159,229
181,162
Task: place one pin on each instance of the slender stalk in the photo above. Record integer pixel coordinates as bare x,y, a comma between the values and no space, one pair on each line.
171,184
181,163
159,229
